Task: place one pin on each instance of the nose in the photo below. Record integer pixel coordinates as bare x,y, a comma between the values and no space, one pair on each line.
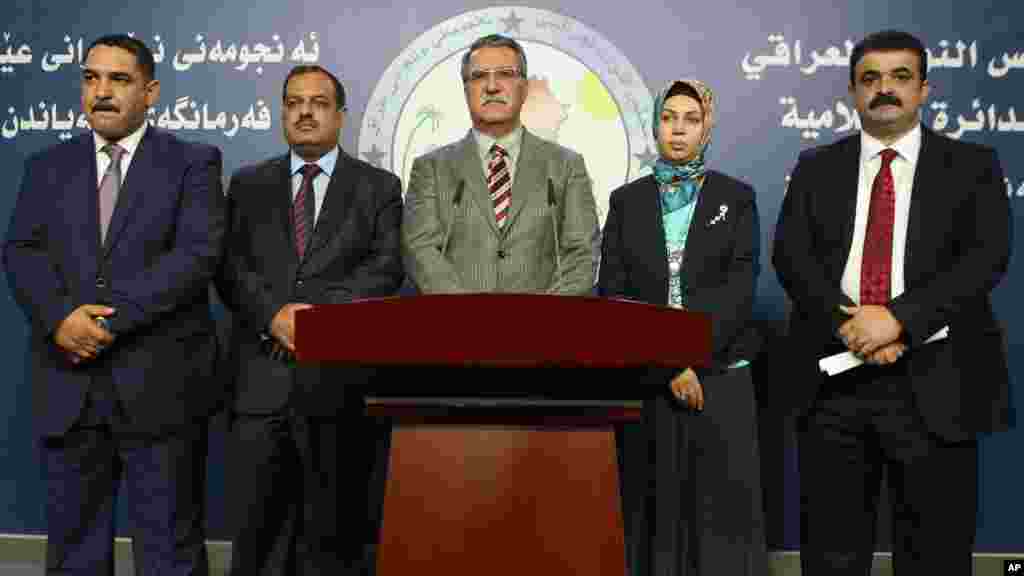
492,84
103,88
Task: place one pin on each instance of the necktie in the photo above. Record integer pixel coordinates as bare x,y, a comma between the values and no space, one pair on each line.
876,263
499,183
110,186
302,215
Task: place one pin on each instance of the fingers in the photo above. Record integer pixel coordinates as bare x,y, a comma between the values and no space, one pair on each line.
82,349
677,389
862,349
697,395
97,334
279,352
96,310
888,354
686,388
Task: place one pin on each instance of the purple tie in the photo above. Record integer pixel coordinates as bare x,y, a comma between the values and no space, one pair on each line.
299,213
110,186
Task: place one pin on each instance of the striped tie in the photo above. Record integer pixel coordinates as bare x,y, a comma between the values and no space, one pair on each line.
299,212
499,183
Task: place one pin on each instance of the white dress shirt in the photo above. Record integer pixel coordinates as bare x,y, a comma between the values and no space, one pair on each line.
327,162
511,142
130,143
903,167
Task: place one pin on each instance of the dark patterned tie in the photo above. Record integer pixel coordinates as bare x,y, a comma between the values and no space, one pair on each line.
110,186
499,183
876,263
301,217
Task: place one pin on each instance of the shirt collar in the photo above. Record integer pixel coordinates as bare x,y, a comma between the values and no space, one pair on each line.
327,162
129,142
908,146
510,142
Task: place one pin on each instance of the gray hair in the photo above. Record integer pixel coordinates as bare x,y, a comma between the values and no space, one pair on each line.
493,41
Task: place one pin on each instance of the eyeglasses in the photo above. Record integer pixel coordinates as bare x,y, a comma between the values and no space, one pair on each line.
503,74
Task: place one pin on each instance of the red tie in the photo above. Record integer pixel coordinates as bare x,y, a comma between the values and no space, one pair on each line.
876,265
300,213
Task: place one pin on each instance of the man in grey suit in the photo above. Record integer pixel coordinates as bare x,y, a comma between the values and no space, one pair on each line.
501,210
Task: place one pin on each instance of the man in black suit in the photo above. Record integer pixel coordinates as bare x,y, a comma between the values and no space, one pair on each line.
110,252
314,226
888,244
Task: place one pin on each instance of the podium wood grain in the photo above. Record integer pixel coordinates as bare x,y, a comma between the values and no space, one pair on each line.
501,501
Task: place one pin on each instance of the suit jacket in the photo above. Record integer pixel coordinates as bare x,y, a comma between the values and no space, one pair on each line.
451,242
957,250
720,262
154,268
352,254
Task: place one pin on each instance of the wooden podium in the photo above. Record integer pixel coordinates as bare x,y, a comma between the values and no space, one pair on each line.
502,453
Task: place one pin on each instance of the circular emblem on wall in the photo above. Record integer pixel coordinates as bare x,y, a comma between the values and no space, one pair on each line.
583,94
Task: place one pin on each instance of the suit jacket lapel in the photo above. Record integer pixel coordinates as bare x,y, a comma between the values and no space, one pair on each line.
708,207
336,205
847,177
82,211
929,166
528,181
280,197
652,239
143,166
472,171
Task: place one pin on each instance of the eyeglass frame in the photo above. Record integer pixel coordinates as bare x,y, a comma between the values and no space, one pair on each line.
478,75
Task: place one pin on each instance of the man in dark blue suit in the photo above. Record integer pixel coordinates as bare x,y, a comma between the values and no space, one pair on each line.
109,252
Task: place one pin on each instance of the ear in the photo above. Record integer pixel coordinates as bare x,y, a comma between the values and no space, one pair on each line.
152,93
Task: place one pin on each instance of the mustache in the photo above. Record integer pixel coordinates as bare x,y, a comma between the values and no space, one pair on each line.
489,98
306,122
104,105
883,99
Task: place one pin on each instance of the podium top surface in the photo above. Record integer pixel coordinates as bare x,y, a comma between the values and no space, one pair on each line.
502,330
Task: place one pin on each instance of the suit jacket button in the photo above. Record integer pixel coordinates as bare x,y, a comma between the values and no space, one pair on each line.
299,283
101,282
501,254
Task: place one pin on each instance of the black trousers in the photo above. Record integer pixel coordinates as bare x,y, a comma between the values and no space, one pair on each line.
103,459
300,494
864,422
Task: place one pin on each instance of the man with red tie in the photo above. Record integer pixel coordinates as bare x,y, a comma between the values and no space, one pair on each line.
500,210
312,226
889,243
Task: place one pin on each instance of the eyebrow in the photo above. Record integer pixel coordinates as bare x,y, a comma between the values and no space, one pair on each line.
112,73
877,71
683,112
